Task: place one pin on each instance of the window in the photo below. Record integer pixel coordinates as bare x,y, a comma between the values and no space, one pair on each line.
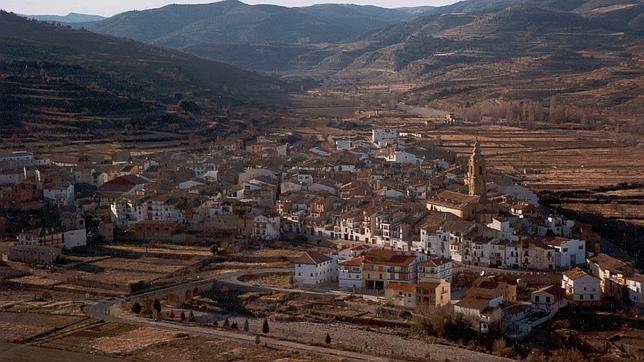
592,296
581,247
311,274
547,299
536,298
581,297
299,274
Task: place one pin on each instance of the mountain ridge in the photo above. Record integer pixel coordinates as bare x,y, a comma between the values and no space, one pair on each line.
231,21
71,18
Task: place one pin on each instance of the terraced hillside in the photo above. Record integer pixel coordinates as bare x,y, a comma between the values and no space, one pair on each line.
529,50
63,83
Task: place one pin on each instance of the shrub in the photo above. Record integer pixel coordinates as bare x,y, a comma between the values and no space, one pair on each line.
498,346
265,328
233,325
183,316
536,356
569,355
422,325
136,308
157,306
327,339
189,106
246,328
137,286
191,317
226,323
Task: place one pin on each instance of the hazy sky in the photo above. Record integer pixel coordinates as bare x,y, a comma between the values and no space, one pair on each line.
111,7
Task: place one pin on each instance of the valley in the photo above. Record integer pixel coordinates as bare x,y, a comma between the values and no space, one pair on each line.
229,181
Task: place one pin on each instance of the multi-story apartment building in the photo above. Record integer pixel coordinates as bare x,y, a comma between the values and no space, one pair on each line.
382,266
435,293
435,268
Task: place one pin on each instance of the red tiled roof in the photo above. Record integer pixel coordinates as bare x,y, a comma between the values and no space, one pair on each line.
434,262
555,290
556,241
428,285
453,199
390,257
402,287
606,261
353,262
311,257
474,303
122,184
575,273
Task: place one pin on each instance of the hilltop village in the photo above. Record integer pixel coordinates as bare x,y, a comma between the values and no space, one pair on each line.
392,220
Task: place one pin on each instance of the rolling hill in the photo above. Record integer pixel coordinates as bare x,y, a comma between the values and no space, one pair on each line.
587,52
55,76
153,69
257,37
231,21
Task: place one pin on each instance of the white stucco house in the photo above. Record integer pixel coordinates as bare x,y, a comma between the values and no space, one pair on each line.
383,137
350,274
581,287
549,298
62,195
401,157
568,252
435,268
313,268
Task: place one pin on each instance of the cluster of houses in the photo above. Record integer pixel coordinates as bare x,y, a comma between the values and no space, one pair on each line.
409,242
422,283
493,224
412,206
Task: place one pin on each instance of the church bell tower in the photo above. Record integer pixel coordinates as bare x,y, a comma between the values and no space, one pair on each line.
477,174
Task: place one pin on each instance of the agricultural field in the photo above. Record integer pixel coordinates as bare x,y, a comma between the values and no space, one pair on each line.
547,157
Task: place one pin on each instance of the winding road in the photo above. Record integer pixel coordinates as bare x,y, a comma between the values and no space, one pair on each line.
109,310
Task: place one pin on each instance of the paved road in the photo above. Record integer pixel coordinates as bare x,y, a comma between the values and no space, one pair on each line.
233,278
